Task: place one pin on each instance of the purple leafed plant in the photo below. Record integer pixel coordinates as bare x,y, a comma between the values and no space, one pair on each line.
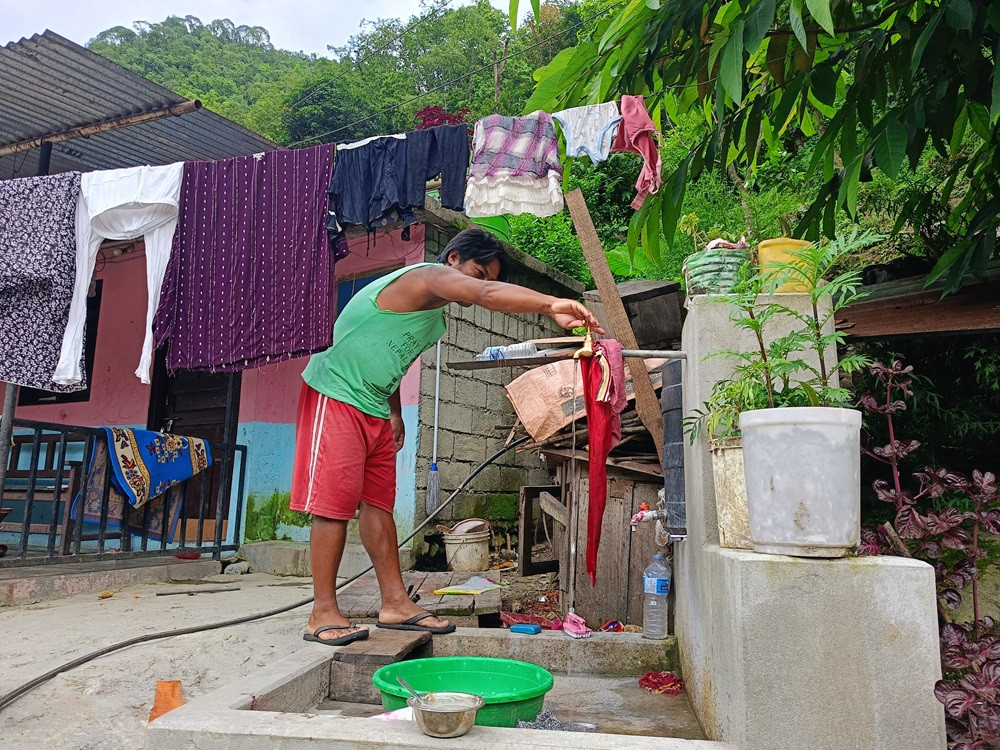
949,539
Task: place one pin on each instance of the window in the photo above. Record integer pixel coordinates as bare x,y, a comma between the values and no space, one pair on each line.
351,285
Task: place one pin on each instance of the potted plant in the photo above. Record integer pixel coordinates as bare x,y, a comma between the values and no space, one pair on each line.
714,269
800,436
746,390
719,418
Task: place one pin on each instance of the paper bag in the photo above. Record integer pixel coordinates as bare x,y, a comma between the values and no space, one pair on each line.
543,396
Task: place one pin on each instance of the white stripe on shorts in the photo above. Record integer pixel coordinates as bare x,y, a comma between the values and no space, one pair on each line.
317,433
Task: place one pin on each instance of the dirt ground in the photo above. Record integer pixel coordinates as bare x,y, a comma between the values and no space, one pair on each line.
105,704
534,595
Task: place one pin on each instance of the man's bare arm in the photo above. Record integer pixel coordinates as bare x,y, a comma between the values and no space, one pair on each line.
449,285
396,420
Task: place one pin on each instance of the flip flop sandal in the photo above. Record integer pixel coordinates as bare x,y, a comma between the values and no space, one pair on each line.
357,635
411,624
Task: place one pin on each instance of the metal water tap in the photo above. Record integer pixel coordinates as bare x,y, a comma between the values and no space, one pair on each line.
587,350
645,514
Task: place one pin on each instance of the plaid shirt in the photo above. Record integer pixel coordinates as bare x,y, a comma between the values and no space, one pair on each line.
515,146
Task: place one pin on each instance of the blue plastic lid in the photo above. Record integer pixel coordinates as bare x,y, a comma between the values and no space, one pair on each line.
659,557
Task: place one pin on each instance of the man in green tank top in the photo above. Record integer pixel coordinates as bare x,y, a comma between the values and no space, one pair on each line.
350,426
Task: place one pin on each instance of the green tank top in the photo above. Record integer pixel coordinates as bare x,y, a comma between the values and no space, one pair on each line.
372,349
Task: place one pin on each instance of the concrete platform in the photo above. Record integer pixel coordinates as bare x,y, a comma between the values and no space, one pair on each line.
36,583
605,654
361,601
287,706
615,705
789,653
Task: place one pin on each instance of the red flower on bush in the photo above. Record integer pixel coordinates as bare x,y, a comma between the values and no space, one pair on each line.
429,117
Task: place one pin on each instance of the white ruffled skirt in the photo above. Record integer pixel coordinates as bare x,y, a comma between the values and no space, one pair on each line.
509,194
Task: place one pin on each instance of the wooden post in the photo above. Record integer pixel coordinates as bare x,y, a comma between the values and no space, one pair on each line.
646,403
6,430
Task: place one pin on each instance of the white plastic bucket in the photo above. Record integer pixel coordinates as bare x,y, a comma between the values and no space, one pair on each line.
803,472
468,552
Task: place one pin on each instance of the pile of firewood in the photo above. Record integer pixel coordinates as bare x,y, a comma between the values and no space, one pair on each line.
636,441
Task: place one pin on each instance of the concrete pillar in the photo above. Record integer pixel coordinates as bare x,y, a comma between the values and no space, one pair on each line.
786,653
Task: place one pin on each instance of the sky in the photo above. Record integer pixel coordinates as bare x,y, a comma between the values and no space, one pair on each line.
298,25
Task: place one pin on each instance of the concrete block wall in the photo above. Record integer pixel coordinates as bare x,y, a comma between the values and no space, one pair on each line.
473,403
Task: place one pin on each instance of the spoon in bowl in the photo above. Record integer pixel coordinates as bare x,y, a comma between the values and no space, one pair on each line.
421,697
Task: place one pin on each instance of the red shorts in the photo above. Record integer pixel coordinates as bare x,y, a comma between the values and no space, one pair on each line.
343,457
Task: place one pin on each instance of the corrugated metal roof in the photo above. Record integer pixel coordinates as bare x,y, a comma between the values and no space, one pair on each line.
49,84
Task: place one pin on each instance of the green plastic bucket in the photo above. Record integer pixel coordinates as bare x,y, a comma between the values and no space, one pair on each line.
513,690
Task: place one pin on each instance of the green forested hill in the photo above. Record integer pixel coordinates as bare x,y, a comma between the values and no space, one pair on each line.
388,71
234,70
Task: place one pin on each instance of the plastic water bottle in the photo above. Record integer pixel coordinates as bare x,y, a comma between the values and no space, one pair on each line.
656,587
511,351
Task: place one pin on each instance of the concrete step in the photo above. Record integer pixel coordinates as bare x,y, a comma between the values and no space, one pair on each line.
26,585
292,558
354,664
602,654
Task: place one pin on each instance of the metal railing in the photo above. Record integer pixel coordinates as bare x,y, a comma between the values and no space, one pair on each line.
43,500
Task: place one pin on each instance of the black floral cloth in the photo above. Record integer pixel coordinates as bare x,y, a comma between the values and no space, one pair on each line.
37,270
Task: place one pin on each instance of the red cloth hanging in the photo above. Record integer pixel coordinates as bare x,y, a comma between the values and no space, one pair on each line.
604,399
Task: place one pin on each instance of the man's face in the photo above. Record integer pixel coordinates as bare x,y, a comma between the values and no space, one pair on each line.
488,272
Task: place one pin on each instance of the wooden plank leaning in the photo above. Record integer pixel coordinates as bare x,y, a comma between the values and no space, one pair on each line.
646,403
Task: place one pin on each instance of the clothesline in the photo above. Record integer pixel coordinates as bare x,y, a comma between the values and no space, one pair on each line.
240,252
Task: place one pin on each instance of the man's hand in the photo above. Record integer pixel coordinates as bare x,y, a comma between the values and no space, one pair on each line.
572,314
398,430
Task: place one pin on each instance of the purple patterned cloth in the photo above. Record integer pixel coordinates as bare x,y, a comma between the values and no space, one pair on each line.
515,146
37,271
250,279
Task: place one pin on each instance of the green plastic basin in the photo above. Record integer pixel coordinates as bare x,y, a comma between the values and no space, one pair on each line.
513,690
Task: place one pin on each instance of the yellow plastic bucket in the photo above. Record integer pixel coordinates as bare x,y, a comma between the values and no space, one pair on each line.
772,253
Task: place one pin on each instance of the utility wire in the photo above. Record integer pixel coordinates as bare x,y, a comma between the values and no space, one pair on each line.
310,93
455,80
13,695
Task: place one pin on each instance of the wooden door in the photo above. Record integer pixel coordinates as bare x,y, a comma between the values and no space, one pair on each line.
202,405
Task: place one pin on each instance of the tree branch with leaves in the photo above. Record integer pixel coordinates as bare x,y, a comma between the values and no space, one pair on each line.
877,85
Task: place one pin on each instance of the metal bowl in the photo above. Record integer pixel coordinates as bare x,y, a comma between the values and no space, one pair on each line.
444,714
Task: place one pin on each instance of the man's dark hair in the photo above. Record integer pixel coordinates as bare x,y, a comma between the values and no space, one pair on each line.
478,245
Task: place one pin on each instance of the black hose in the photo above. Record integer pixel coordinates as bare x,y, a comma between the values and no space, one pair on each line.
17,692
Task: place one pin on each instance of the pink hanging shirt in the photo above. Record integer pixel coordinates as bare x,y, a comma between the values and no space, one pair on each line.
636,136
